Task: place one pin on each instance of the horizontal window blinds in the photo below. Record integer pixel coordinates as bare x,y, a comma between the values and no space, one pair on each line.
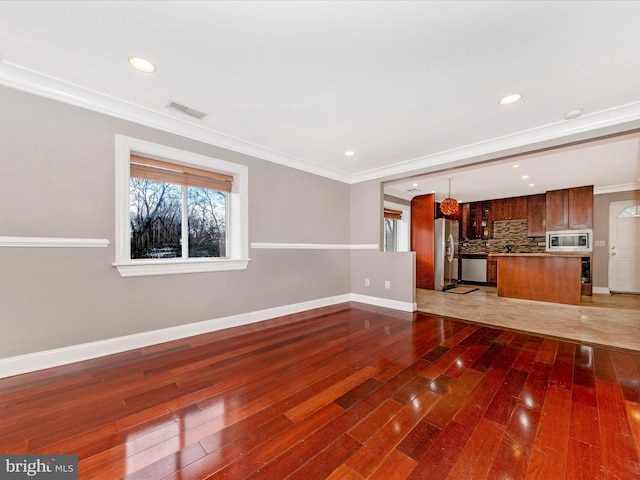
393,214
157,171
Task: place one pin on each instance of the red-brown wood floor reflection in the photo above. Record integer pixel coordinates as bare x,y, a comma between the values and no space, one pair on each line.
343,392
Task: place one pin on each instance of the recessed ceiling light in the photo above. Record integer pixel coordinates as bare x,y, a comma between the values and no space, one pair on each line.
532,184
573,114
524,177
142,64
415,184
510,99
515,166
349,153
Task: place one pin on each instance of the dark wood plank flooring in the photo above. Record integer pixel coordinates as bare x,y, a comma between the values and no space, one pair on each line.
344,392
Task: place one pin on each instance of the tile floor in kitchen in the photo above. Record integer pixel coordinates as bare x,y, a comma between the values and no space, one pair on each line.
612,320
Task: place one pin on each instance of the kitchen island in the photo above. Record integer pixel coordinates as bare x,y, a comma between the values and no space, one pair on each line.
540,276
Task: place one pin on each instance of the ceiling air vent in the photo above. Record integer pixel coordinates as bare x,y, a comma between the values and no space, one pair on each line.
413,190
192,112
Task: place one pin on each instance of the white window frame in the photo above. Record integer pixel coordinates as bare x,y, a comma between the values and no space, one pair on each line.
237,212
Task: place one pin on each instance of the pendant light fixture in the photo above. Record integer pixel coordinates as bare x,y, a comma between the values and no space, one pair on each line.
449,206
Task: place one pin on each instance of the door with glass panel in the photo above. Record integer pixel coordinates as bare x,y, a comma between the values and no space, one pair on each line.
624,246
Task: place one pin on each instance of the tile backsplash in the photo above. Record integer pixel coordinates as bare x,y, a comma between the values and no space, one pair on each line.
507,232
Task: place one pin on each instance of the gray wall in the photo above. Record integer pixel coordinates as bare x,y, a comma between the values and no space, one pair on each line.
600,267
377,266
58,181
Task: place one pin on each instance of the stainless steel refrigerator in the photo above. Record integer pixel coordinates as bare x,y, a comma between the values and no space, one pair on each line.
446,254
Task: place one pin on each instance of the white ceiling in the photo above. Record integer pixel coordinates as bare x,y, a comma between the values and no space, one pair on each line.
409,86
610,164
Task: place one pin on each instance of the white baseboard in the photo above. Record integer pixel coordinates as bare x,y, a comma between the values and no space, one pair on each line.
604,290
62,356
384,302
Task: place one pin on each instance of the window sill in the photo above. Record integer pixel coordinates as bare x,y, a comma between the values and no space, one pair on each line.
168,267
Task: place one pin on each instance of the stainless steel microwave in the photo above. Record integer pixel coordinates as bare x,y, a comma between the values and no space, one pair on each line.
570,241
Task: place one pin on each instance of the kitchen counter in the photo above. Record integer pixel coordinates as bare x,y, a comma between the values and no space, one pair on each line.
545,277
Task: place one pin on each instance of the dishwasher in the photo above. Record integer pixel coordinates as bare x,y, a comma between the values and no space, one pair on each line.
474,268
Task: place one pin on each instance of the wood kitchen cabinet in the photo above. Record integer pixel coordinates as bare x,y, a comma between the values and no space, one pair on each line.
557,209
545,278
581,208
569,209
422,241
499,209
514,208
492,270
465,210
476,220
536,215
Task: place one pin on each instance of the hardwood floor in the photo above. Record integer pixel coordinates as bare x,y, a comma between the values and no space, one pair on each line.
344,392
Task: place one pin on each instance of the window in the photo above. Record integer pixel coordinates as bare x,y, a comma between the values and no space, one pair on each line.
628,212
178,212
390,234
170,203
396,227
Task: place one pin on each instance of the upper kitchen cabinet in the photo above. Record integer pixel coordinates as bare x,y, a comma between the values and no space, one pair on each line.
536,215
569,209
476,220
581,208
557,209
499,209
509,209
465,210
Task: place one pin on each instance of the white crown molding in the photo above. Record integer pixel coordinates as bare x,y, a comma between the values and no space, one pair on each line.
315,246
605,122
614,120
20,78
76,353
54,242
616,188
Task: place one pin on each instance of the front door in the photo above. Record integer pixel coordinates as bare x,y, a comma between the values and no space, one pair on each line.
624,246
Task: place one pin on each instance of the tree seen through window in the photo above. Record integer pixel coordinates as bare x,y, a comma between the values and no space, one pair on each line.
157,217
